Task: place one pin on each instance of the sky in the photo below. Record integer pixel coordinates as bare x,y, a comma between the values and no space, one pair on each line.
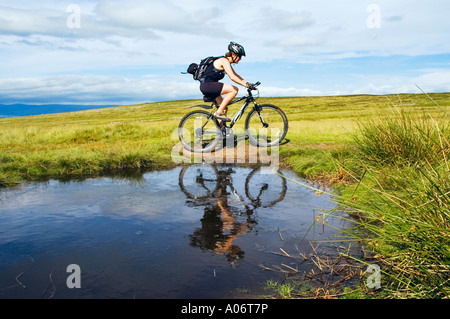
122,52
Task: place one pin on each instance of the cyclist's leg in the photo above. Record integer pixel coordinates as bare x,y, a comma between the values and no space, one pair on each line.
230,92
219,100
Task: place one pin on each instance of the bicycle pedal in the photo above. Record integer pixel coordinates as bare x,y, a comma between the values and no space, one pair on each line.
227,132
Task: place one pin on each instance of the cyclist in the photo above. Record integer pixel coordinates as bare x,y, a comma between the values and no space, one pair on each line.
211,87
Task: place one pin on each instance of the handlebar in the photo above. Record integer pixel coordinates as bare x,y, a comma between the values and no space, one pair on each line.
253,86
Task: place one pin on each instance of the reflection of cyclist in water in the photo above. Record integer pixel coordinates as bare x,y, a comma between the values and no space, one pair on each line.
231,229
207,186
219,229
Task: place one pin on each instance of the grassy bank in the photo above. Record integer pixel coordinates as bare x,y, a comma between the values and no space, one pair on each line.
387,155
94,142
402,199
110,140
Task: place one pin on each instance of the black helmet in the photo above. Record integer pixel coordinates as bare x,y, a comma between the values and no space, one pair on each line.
236,48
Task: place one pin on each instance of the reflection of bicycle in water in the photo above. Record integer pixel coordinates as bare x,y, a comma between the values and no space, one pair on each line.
202,182
226,218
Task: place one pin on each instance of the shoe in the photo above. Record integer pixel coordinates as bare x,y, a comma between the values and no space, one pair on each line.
222,117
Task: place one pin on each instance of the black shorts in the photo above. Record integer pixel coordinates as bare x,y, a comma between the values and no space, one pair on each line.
211,89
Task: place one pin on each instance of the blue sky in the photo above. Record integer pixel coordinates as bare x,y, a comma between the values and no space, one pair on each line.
132,51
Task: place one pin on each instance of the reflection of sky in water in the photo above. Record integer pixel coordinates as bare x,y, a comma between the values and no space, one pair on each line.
148,198
146,238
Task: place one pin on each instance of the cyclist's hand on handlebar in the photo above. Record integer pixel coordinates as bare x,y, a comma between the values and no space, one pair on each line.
253,86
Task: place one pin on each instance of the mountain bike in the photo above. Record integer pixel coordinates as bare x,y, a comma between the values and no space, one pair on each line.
200,131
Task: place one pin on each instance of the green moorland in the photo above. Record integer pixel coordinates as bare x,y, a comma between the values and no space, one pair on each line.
386,156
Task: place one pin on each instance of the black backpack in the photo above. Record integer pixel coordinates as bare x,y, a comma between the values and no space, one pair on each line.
198,70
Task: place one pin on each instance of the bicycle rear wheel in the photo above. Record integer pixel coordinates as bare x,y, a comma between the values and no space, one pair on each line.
199,182
266,125
199,132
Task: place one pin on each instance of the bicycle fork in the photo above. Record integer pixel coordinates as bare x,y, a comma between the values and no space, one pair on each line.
258,109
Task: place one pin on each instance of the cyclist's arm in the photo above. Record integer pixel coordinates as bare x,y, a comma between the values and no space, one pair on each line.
233,75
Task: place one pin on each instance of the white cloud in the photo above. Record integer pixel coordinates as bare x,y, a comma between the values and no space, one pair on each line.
25,22
120,90
267,28
430,81
296,41
129,19
289,91
95,89
54,22
435,80
281,19
119,40
160,15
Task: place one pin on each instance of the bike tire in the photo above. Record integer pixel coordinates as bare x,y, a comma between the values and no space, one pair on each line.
195,186
277,125
265,196
192,128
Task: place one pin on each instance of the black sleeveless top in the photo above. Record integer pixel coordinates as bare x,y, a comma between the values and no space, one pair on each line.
213,75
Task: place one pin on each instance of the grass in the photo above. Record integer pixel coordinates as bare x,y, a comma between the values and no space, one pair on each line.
403,201
91,143
106,141
387,156
402,139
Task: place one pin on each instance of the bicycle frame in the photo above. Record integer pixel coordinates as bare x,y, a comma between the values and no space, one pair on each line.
248,99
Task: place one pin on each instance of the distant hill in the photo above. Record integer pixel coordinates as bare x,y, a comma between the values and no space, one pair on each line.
15,110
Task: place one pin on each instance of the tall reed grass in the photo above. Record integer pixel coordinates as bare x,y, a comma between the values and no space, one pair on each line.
402,199
402,138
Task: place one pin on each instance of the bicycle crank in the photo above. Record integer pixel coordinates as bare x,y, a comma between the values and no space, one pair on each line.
227,132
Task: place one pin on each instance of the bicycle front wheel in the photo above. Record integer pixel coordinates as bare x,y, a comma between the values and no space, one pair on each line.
266,125
199,132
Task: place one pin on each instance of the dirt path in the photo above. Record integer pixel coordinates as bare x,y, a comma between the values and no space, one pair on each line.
232,153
